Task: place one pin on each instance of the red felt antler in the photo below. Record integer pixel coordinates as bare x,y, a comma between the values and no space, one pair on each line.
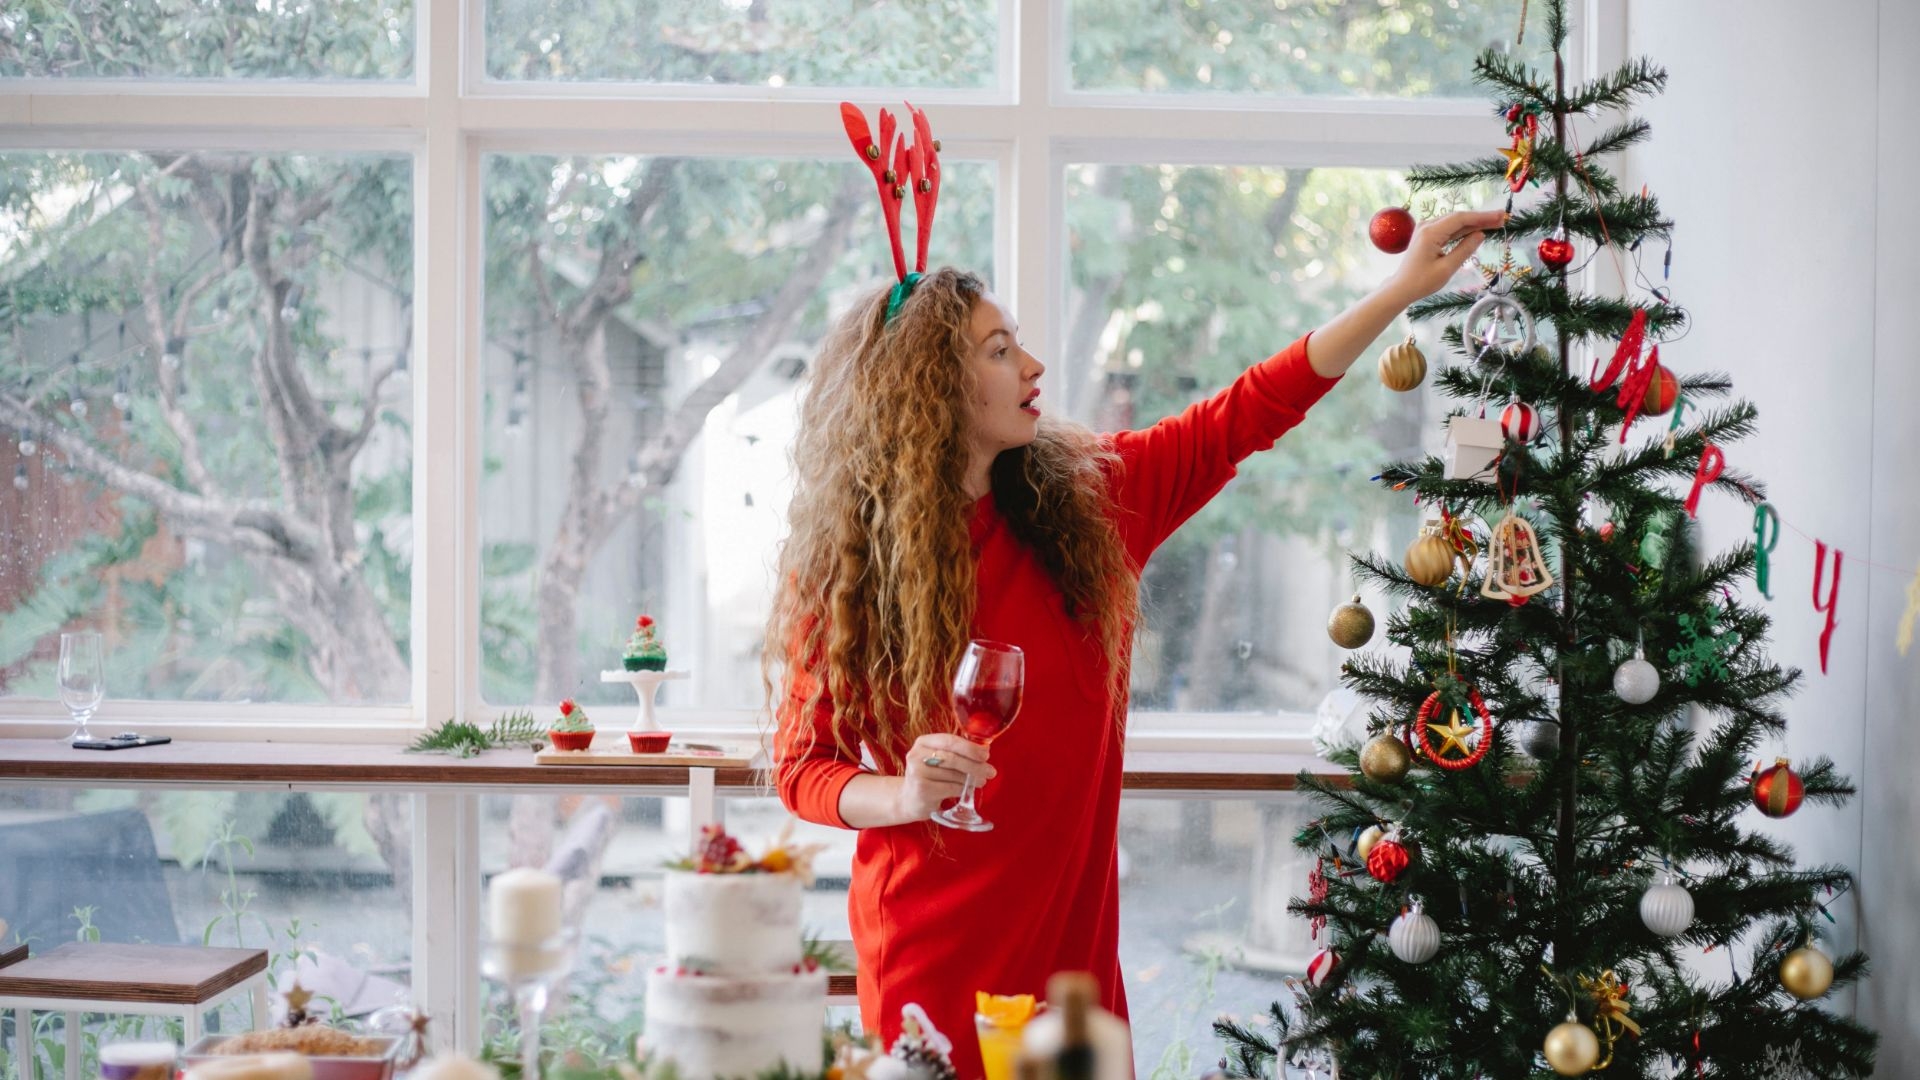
876,155
924,168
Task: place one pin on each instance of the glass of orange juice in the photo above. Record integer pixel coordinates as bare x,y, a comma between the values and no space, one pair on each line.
1000,1020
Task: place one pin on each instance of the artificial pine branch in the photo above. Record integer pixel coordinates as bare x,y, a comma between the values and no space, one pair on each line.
1639,77
1477,171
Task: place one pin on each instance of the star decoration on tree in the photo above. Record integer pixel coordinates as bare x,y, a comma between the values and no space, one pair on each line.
1453,734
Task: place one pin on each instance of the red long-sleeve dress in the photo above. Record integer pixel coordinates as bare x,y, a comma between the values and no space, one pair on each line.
1002,911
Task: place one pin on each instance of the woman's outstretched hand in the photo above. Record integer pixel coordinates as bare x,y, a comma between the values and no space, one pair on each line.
937,766
1439,248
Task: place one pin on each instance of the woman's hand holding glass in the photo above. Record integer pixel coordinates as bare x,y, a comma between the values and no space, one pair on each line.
938,767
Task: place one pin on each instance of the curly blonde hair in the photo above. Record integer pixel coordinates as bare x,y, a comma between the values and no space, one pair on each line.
877,571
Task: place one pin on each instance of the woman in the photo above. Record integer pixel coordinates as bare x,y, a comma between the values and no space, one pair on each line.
936,503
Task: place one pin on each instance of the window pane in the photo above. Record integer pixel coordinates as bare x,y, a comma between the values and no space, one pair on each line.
192,39
944,43
648,321
1180,278
205,422
302,876
1289,48
1204,928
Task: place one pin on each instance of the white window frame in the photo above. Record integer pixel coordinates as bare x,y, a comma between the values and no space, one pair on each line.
1030,124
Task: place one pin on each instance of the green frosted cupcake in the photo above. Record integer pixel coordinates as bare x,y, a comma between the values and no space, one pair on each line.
644,651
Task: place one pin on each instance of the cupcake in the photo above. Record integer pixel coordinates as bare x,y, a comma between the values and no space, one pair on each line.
649,742
573,731
644,651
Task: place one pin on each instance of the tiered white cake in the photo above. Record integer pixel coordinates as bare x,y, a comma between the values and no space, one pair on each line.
734,998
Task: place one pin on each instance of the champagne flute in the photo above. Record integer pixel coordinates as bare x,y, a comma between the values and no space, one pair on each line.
82,678
986,697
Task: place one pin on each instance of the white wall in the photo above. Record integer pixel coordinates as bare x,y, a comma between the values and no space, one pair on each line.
1780,149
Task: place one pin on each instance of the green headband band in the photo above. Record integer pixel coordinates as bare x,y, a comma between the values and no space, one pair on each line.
899,295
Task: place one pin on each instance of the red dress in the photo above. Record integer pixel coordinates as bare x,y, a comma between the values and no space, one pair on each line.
937,918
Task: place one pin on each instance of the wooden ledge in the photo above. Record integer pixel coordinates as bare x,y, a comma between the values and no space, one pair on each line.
99,971
214,764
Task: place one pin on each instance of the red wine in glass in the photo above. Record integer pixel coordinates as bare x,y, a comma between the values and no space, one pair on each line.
986,698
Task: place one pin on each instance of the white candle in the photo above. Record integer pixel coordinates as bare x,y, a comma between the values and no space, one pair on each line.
523,906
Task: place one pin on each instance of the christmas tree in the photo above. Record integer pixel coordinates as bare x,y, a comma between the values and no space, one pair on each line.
1544,864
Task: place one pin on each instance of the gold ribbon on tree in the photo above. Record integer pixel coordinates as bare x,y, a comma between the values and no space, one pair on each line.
1610,1010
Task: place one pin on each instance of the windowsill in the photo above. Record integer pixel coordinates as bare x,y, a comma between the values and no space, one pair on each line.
219,764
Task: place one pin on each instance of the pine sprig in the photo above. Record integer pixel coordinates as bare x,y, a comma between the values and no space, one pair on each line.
465,739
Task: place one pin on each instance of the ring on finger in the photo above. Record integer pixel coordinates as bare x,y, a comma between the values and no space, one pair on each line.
932,761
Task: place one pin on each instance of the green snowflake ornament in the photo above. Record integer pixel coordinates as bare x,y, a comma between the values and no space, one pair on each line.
1705,650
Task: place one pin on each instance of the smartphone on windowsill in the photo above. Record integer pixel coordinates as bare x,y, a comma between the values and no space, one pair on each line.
121,742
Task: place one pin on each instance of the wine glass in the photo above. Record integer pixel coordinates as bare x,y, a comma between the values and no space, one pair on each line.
530,970
986,697
82,678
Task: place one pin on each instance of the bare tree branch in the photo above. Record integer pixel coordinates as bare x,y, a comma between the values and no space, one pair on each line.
254,524
659,457
166,330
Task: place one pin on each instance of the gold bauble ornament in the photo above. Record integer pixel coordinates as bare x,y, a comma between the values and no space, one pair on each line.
1351,624
1430,559
1402,367
1806,973
1572,1049
1385,759
1368,838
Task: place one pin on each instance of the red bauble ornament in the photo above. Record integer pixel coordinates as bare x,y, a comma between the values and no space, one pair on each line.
1388,860
1391,230
1606,532
1662,391
1519,422
1556,251
1321,966
1777,791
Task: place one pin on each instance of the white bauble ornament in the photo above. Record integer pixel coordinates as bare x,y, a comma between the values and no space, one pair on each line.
1636,681
1667,909
1413,937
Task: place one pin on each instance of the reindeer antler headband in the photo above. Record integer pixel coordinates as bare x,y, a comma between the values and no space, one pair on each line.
896,163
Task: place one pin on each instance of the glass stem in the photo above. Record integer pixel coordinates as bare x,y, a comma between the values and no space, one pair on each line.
963,809
533,1003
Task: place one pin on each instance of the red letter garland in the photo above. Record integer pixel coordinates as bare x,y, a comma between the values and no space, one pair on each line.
1833,594
1629,349
1712,464
1633,391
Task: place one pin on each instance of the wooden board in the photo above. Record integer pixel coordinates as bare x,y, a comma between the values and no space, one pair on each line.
13,955
169,974
611,748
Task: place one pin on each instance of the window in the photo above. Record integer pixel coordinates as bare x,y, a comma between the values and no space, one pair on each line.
305,877
727,272
1290,48
945,44
360,40
457,482
207,422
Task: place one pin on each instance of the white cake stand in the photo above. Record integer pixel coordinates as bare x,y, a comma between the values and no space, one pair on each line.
645,684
